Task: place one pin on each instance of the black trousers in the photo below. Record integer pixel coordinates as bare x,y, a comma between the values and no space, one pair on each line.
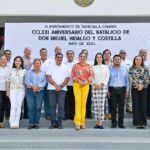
25,108
7,106
88,104
148,101
4,100
139,106
109,105
118,99
69,103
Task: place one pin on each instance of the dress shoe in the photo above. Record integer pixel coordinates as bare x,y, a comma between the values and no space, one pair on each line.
60,126
52,126
121,126
140,127
113,126
36,126
31,126
96,126
100,127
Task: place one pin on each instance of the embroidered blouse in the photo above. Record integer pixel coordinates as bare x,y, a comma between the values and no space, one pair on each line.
16,78
82,73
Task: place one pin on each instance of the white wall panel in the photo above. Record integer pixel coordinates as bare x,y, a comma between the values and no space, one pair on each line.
69,8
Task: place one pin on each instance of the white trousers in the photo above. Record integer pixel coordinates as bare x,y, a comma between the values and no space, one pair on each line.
16,99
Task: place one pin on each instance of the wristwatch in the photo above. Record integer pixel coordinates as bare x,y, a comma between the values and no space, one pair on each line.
61,86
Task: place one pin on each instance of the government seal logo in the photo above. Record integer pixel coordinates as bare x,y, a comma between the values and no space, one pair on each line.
84,3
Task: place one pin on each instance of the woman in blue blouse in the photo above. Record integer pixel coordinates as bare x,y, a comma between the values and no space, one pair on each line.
35,80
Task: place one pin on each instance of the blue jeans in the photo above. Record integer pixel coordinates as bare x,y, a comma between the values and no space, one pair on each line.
34,102
46,102
56,99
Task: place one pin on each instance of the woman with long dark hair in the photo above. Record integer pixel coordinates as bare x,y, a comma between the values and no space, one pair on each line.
139,80
99,89
107,57
16,90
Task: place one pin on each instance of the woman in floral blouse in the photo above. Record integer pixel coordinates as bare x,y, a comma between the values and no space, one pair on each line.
16,91
139,80
82,75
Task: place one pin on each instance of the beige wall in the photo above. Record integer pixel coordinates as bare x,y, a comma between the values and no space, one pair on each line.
69,8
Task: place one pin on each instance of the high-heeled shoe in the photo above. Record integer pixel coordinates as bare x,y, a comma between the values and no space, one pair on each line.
77,127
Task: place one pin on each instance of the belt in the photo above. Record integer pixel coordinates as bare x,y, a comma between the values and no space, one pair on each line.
117,87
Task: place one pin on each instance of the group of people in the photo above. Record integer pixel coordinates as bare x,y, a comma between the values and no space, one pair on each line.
74,89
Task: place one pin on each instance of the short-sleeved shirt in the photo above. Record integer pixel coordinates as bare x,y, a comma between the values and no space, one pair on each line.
69,66
58,74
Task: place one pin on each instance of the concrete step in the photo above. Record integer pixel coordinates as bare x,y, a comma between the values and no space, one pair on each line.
68,124
70,139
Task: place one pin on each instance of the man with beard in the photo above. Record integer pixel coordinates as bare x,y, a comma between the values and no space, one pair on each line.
118,90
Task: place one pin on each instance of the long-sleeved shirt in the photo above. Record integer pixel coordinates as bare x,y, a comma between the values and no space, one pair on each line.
36,79
138,76
119,77
100,74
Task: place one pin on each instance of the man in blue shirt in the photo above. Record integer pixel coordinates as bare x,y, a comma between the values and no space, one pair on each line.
118,90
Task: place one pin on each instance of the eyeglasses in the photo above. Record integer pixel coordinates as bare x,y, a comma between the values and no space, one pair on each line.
7,53
122,53
60,57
